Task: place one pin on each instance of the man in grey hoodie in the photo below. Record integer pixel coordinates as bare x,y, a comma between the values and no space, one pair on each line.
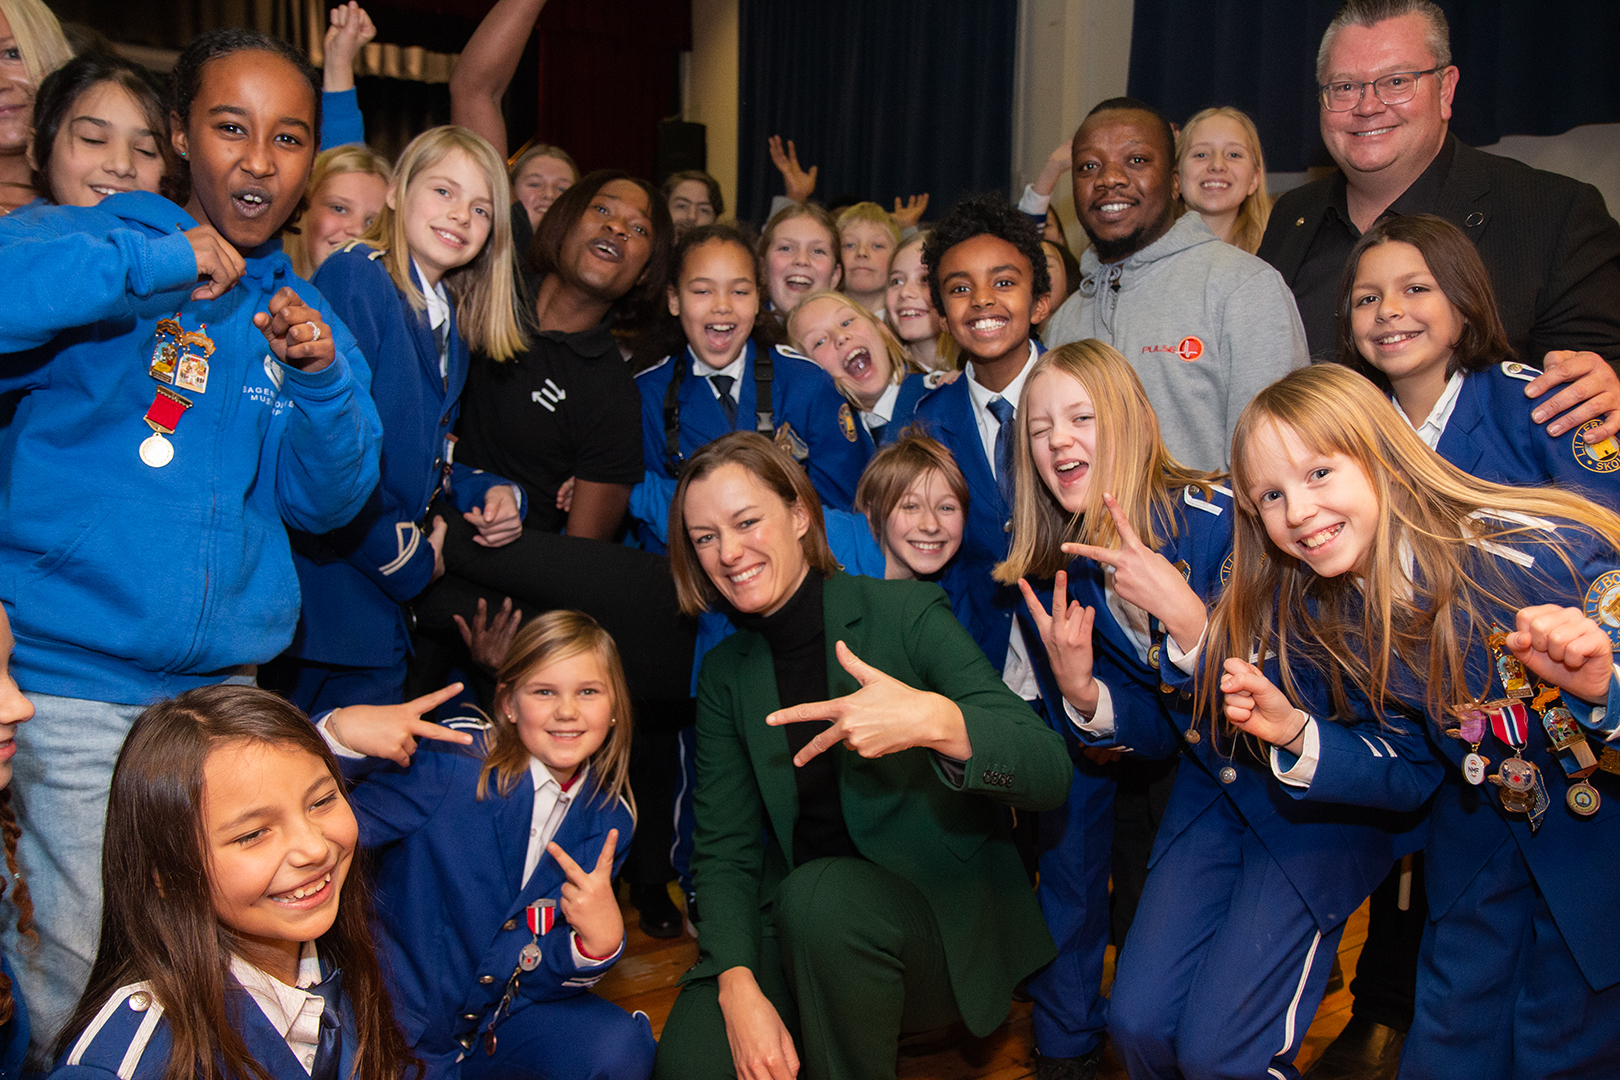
1205,324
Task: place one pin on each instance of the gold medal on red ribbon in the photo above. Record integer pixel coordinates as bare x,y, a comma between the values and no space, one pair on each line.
167,409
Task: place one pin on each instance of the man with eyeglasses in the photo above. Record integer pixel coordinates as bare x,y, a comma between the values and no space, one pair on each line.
1386,85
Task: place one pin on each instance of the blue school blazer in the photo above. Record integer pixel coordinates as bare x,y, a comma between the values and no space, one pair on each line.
355,579
912,390
450,906
1333,855
1148,718
1572,858
804,401
1490,435
947,415
130,1031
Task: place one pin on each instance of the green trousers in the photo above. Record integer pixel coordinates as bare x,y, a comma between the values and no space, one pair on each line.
853,960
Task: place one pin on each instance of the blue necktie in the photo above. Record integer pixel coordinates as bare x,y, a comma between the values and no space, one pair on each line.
329,1048
722,386
1003,411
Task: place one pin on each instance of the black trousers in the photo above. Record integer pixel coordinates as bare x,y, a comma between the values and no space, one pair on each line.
1385,985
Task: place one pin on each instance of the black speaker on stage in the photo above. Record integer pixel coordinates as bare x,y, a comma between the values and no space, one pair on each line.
681,146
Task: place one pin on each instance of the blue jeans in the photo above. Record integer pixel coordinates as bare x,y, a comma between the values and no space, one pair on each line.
60,780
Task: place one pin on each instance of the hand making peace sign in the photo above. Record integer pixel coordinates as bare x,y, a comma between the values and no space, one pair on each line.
884,716
587,900
1147,579
1066,633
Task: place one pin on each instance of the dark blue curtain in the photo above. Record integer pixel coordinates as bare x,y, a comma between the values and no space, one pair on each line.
890,98
1528,68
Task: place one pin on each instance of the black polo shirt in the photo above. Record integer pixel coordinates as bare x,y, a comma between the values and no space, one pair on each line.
566,407
1316,285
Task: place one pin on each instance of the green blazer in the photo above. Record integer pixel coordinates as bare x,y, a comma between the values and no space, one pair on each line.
906,812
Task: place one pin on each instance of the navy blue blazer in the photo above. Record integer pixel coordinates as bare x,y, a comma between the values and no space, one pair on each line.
355,579
1490,434
131,1024
810,415
450,903
1150,712
947,415
912,390
1572,858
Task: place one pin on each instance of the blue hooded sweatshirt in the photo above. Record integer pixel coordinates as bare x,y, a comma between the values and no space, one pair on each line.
127,582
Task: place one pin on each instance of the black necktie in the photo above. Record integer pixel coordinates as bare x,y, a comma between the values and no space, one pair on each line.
1003,411
441,338
329,1049
722,386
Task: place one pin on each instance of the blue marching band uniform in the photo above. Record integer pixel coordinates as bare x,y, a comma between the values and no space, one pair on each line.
352,639
1516,979
808,418
452,920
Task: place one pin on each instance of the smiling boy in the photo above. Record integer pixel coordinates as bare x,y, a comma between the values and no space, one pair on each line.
988,275
1204,324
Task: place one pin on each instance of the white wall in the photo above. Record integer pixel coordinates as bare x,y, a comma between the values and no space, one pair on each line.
710,88
1071,55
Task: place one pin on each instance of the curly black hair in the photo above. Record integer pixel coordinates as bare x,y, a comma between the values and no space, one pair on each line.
977,215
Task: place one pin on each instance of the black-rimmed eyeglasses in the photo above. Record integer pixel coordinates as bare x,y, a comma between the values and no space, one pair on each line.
1392,89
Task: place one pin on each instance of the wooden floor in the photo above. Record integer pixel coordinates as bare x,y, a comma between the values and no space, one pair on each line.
645,978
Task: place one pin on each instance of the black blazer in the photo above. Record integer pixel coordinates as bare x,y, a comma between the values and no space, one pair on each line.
1552,248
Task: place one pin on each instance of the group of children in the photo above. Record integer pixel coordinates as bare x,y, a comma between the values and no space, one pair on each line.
1317,635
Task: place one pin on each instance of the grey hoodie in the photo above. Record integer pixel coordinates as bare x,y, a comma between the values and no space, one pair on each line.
1205,324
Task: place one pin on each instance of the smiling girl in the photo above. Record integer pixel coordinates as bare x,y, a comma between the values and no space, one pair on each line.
1471,610
431,277
1418,317
184,392
228,945
1093,468
483,847
712,387
798,255
100,129
858,351
909,309
346,193
1221,175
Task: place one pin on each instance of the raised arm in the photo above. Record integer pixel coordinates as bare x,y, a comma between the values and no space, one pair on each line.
486,68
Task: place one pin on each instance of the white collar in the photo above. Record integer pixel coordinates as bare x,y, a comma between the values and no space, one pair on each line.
438,301
1434,426
734,369
882,412
981,395
542,776
282,1004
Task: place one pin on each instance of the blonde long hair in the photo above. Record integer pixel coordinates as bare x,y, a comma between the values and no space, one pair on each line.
484,290
39,37
1130,462
1354,629
338,161
1255,210
543,641
900,364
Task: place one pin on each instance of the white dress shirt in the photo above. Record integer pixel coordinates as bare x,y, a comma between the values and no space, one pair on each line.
295,1013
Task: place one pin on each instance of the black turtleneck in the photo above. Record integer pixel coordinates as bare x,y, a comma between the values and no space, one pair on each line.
797,635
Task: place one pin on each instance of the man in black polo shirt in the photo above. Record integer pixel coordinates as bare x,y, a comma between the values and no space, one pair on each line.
1553,252
1552,249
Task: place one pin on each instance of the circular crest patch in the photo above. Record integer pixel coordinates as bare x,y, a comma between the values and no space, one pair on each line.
1603,457
1603,605
846,421
1190,348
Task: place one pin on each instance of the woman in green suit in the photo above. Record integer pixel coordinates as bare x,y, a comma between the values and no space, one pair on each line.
852,862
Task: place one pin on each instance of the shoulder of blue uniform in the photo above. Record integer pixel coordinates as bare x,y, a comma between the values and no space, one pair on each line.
1513,369
661,365
482,731
791,352
1512,519
128,1028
